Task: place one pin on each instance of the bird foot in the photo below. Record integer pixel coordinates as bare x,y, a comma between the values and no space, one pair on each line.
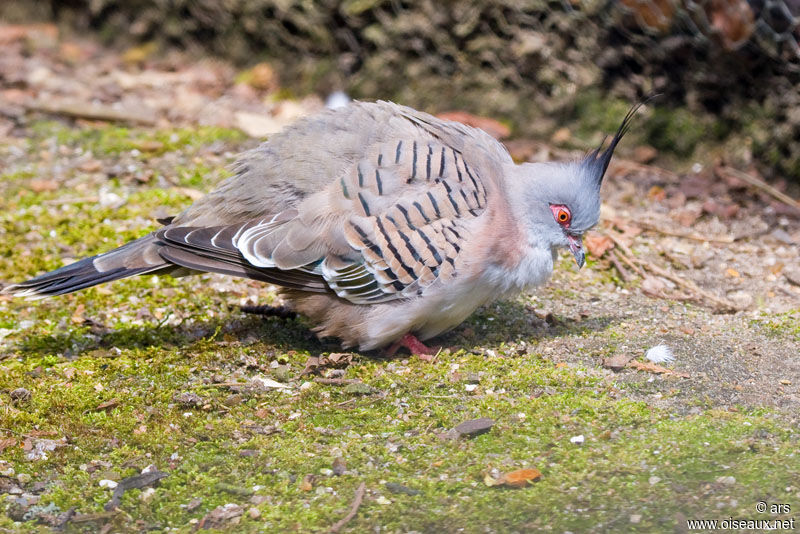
414,346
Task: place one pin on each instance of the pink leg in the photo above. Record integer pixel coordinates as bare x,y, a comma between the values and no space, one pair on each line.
414,346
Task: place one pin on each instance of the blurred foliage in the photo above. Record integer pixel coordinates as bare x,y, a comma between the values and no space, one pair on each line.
530,61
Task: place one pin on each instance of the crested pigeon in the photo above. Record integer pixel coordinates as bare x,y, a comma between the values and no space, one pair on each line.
380,223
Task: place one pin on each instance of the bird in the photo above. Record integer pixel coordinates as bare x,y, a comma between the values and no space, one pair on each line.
384,225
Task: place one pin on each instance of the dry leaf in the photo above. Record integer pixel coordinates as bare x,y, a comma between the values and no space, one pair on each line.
490,481
139,54
644,154
307,484
597,244
149,145
262,77
10,33
657,193
521,477
654,368
40,186
656,15
6,443
222,516
107,405
561,136
494,128
515,479
617,362
77,315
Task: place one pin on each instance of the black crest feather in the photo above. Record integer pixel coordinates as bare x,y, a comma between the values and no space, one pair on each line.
598,160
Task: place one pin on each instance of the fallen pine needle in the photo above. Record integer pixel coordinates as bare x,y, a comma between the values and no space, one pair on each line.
353,509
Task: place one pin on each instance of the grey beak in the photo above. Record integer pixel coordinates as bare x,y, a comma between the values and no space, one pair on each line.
576,247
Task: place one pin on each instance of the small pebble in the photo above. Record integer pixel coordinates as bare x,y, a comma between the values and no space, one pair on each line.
383,500
339,466
106,483
188,399
474,427
147,494
654,480
577,440
259,499
254,513
23,478
636,519
358,388
20,395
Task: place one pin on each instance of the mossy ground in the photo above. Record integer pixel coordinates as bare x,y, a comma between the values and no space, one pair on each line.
104,366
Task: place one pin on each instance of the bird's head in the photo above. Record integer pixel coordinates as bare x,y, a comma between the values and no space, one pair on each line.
562,200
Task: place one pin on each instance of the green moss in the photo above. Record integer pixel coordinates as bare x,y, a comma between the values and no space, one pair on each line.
676,130
780,324
111,139
388,436
596,113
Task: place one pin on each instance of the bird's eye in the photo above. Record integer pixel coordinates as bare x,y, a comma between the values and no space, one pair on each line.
561,214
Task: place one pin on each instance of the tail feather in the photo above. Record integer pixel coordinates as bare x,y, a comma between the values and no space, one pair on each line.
137,257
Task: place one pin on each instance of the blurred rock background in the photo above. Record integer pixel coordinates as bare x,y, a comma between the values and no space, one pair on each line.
728,70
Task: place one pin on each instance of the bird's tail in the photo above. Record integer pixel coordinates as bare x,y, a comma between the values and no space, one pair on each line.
137,257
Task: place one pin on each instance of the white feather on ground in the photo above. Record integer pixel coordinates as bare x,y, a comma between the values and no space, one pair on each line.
660,354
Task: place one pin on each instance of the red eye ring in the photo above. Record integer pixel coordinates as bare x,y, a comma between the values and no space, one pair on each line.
561,214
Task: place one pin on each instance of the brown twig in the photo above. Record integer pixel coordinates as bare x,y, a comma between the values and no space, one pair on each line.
625,253
353,509
623,273
724,304
761,185
726,239
88,110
